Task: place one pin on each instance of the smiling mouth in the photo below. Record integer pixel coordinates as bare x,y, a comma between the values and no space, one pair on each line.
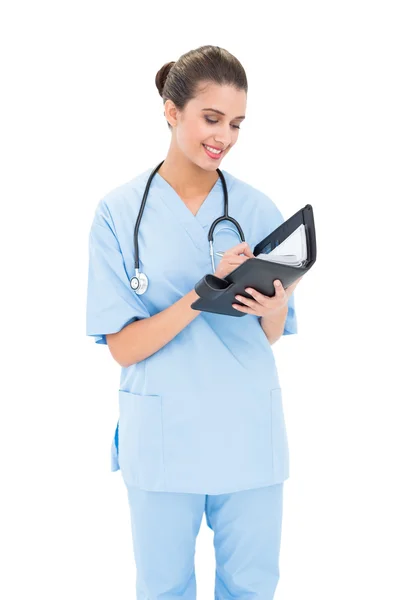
213,150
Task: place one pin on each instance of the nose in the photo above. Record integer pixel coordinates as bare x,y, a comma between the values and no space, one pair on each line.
223,137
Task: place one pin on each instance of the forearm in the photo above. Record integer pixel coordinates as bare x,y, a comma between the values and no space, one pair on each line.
273,326
142,338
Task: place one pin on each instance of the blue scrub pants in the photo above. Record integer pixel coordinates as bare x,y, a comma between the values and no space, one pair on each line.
247,536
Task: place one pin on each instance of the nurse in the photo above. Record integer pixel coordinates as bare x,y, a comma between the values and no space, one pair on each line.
201,428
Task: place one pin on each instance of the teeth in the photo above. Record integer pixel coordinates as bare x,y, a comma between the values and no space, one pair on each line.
213,150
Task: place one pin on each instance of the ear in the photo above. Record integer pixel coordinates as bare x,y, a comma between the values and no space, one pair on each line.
170,112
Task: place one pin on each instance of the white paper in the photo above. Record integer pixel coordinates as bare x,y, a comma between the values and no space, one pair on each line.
292,251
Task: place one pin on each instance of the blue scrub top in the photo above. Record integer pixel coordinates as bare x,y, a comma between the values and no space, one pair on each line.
204,413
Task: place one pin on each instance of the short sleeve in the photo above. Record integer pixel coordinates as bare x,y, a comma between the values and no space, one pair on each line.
275,218
111,302
291,318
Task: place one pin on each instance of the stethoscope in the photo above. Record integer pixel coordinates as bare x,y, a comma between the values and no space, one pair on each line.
139,282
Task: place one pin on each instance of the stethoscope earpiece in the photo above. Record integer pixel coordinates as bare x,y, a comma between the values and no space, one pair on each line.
139,282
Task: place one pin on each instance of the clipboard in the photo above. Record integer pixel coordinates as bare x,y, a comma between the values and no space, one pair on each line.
274,259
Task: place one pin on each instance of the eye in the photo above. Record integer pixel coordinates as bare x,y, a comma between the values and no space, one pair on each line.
210,121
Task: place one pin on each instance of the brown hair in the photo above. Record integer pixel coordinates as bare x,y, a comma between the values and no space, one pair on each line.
178,81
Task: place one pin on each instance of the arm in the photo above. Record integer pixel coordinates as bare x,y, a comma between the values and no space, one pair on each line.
144,337
273,327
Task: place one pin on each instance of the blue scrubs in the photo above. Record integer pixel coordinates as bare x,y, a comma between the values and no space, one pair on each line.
247,538
204,414
201,426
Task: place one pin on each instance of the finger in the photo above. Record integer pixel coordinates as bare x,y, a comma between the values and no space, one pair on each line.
242,248
247,301
245,309
247,251
258,296
279,289
236,260
236,249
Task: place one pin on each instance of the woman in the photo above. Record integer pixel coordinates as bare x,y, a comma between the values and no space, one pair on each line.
201,425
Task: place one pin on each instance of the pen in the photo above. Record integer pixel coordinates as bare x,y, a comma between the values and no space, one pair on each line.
219,253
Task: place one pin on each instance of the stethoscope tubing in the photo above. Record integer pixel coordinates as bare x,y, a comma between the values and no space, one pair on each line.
139,281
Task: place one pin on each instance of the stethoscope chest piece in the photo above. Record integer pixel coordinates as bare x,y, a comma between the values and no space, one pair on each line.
139,282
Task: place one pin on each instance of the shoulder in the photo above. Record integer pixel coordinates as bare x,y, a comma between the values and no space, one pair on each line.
121,202
254,200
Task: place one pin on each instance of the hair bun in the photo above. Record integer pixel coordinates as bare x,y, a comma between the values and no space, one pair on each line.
162,75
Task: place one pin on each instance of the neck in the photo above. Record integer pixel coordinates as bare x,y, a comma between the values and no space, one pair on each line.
187,178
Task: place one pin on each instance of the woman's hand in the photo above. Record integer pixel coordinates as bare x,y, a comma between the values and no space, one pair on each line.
232,259
266,306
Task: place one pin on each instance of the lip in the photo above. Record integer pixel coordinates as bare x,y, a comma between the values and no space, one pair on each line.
213,156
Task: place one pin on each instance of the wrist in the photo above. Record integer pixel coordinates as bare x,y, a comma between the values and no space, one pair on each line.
276,316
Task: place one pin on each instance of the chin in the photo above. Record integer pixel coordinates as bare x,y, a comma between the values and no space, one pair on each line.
205,167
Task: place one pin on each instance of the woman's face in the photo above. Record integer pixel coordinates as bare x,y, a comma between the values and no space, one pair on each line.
197,125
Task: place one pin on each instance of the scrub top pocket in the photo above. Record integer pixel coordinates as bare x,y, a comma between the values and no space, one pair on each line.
280,449
140,440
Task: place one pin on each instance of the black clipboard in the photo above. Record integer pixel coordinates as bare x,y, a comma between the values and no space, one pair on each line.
217,295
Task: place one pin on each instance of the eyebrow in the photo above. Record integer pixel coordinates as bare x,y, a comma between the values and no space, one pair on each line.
221,113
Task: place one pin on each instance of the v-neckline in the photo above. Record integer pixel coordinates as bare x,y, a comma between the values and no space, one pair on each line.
195,225
203,207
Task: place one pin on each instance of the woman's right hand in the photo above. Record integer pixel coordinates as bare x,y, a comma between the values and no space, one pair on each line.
232,258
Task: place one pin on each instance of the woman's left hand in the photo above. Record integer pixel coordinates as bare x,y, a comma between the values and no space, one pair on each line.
266,306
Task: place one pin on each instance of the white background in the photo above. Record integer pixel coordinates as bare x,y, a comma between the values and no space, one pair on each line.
81,115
